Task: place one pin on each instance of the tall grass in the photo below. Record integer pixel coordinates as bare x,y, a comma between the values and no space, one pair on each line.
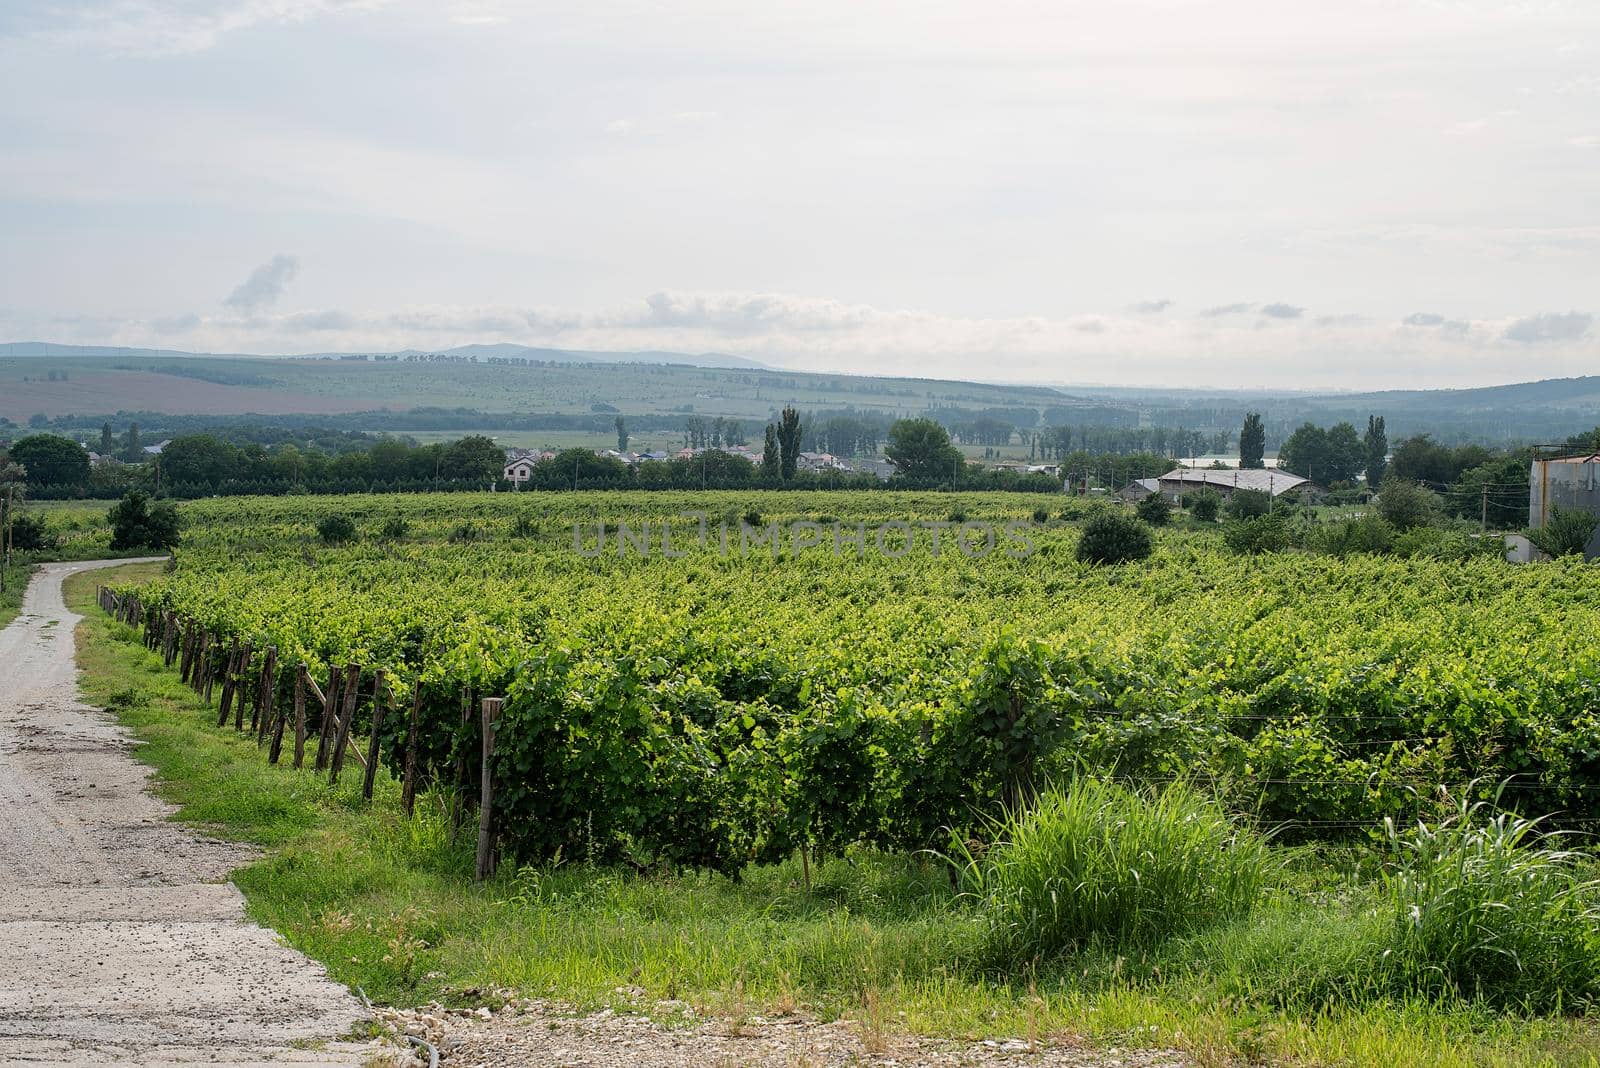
1485,908
1094,860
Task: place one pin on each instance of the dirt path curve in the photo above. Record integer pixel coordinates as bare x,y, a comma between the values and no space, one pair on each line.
120,941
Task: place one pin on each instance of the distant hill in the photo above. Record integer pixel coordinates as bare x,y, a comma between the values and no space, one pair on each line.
501,350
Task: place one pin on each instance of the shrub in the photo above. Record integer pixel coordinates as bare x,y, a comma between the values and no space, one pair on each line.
29,534
137,524
395,527
1565,533
466,532
1369,534
1154,509
523,526
1041,515
1479,908
1260,534
336,529
1205,505
752,518
1114,538
1248,503
1405,505
958,516
1097,860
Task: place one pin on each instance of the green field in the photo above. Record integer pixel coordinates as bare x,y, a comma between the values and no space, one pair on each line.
751,779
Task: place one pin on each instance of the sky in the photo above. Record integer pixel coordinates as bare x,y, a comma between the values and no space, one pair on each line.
1246,193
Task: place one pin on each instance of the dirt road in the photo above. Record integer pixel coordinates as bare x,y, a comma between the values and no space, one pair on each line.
120,941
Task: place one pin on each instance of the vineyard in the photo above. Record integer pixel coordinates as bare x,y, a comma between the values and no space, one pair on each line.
717,707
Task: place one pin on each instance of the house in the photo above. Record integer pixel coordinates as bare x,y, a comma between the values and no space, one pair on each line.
155,450
1266,479
520,470
1139,489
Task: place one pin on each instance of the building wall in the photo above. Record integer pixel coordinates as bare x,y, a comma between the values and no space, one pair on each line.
1570,484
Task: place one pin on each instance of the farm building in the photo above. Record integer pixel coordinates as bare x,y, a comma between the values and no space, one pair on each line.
1267,479
1139,489
1570,482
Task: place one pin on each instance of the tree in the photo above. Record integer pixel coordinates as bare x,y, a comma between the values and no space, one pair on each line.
1406,505
474,459
1205,505
198,460
136,524
1252,442
336,529
789,441
921,452
108,440
134,453
1258,534
1325,456
1155,509
622,433
1377,451
771,465
52,460
1113,538
1247,503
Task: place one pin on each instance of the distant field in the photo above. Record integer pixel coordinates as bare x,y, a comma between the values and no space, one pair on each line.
273,386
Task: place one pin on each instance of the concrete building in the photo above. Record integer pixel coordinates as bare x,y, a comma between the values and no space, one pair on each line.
1268,480
1571,482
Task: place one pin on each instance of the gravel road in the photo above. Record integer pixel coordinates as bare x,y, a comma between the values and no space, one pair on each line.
120,940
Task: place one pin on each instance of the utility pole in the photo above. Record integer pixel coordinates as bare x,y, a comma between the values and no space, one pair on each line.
1484,522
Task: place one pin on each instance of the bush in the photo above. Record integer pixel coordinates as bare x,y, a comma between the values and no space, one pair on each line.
523,526
1096,860
1478,908
1248,503
1114,538
1261,534
465,533
137,524
1205,505
1369,534
395,527
336,529
1154,509
1406,505
29,534
1565,533
751,518
958,516
1041,515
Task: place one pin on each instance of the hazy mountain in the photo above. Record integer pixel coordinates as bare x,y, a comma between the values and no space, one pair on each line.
502,350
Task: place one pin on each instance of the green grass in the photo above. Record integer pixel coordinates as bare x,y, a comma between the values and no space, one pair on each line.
389,904
17,577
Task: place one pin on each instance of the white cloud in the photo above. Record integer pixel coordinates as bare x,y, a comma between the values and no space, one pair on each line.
156,28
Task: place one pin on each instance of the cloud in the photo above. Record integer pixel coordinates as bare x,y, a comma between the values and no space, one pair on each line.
1227,309
1553,326
1282,311
152,27
1151,307
1585,141
1430,320
264,286
619,127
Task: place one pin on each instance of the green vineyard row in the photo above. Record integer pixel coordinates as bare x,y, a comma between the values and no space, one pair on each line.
717,707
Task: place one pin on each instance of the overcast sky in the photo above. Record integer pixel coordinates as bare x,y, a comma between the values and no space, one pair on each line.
1237,192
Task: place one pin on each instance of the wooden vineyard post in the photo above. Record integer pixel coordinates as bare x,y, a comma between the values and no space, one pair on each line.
243,687
281,720
408,793
230,681
341,741
486,858
328,722
378,703
201,675
267,700
300,714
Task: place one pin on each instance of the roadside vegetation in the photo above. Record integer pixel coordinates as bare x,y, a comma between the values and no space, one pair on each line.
1121,887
